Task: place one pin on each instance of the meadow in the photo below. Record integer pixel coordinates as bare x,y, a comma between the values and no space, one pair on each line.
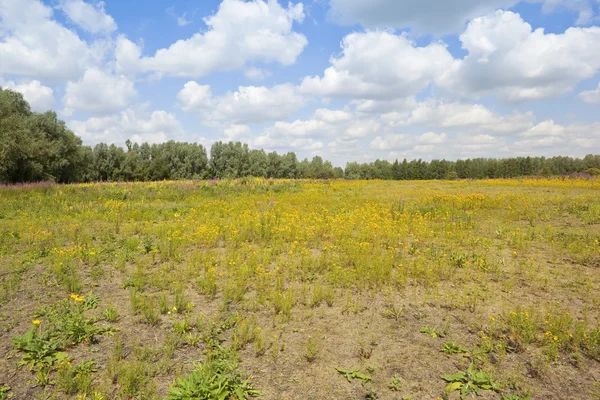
299,289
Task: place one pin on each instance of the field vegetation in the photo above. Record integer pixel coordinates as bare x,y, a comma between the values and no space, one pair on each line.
299,289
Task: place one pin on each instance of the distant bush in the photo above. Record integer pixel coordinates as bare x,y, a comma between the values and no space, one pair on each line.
452,176
593,171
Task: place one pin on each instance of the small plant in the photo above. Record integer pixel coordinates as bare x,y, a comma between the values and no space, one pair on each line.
433,332
468,382
193,339
393,312
135,380
181,304
76,379
453,348
149,311
514,397
110,314
312,349
396,384
353,374
39,349
65,325
163,303
182,327
207,284
4,392
218,378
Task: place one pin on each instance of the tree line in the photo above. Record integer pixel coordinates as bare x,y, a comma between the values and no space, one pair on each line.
38,147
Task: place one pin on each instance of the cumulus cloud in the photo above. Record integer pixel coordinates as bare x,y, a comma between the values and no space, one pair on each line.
505,58
40,97
240,32
591,96
427,15
256,74
439,16
135,124
283,144
379,65
448,115
325,123
99,92
401,141
127,55
583,8
510,60
246,105
87,16
33,44
478,145
236,133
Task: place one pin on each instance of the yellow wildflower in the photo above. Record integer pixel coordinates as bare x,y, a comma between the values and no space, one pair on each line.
77,297
36,322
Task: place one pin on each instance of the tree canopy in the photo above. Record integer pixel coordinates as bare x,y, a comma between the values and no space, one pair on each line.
38,147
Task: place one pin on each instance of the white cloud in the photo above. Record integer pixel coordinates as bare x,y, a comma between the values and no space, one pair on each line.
476,145
420,143
360,128
312,128
583,8
545,128
240,32
391,142
137,125
127,55
325,123
33,44
448,115
332,116
379,65
549,141
181,19
510,60
195,97
40,97
256,74
87,16
236,133
591,96
286,144
247,104
99,92
439,17
432,16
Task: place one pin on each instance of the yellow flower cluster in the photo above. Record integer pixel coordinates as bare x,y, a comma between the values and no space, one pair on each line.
77,297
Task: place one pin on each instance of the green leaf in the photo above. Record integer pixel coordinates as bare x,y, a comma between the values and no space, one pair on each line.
457,377
451,387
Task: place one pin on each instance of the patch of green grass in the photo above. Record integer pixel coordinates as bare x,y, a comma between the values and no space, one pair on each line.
217,378
351,374
469,382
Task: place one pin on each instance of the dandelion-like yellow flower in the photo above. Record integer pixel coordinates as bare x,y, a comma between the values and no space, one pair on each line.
555,338
492,319
77,297
36,322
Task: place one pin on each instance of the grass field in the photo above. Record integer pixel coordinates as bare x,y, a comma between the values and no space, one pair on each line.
301,290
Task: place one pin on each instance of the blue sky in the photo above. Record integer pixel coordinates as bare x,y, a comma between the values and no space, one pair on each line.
349,80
